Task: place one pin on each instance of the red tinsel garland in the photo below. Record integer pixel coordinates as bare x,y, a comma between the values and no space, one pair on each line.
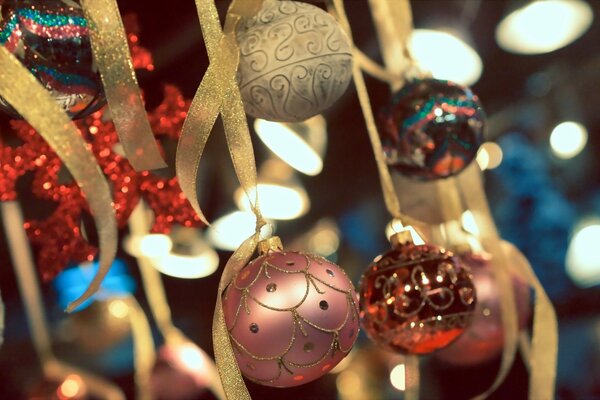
58,238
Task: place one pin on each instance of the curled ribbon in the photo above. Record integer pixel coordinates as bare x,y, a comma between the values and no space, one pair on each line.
158,303
111,53
219,93
470,185
389,193
144,355
543,352
544,342
31,100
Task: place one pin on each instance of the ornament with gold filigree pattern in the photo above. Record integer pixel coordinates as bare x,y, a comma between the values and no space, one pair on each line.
295,61
416,299
291,316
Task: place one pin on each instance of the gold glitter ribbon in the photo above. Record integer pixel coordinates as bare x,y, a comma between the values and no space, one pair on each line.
32,101
219,94
111,53
393,23
402,12
389,194
543,356
470,185
144,355
543,352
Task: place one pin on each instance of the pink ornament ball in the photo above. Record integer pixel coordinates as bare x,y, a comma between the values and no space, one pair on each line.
180,373
484,339
291,317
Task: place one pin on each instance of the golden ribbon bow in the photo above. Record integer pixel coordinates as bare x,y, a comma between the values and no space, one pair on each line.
111,53
32,101
219,93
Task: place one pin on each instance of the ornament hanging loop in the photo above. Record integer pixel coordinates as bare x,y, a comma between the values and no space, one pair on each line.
270,245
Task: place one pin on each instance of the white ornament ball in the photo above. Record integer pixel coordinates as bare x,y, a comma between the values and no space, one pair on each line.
295,61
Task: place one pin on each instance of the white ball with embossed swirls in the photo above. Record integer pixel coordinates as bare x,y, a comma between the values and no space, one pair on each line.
295,61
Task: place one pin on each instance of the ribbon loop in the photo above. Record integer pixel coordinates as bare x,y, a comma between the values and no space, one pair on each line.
31,100
219,93
111,53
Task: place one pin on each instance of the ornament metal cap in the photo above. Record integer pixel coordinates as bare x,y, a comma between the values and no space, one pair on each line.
401,238
270,244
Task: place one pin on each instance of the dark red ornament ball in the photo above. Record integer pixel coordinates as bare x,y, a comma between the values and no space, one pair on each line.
416,299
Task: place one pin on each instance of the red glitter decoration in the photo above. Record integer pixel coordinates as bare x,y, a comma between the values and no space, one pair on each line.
58,238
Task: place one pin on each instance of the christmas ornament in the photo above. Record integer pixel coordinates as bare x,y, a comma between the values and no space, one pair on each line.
432,129
416,299
51,39
98,329
295,61
179,373
483,339
291,316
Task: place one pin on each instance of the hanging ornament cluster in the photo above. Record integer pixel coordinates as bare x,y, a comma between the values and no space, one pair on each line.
432,129
292,317
484,338
416,299
295,61
51,38
58,238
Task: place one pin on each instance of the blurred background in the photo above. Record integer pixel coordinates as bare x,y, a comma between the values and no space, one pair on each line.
535,66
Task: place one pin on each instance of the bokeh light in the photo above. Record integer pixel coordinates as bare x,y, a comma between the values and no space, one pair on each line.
544,26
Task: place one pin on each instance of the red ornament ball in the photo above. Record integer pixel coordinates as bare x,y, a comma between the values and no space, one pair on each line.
291,317
432,129
416,299
484,339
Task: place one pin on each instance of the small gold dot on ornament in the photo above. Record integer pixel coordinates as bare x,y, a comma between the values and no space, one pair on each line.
251,366
254,327
324,305
308,347
271,287
486,312
330,272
